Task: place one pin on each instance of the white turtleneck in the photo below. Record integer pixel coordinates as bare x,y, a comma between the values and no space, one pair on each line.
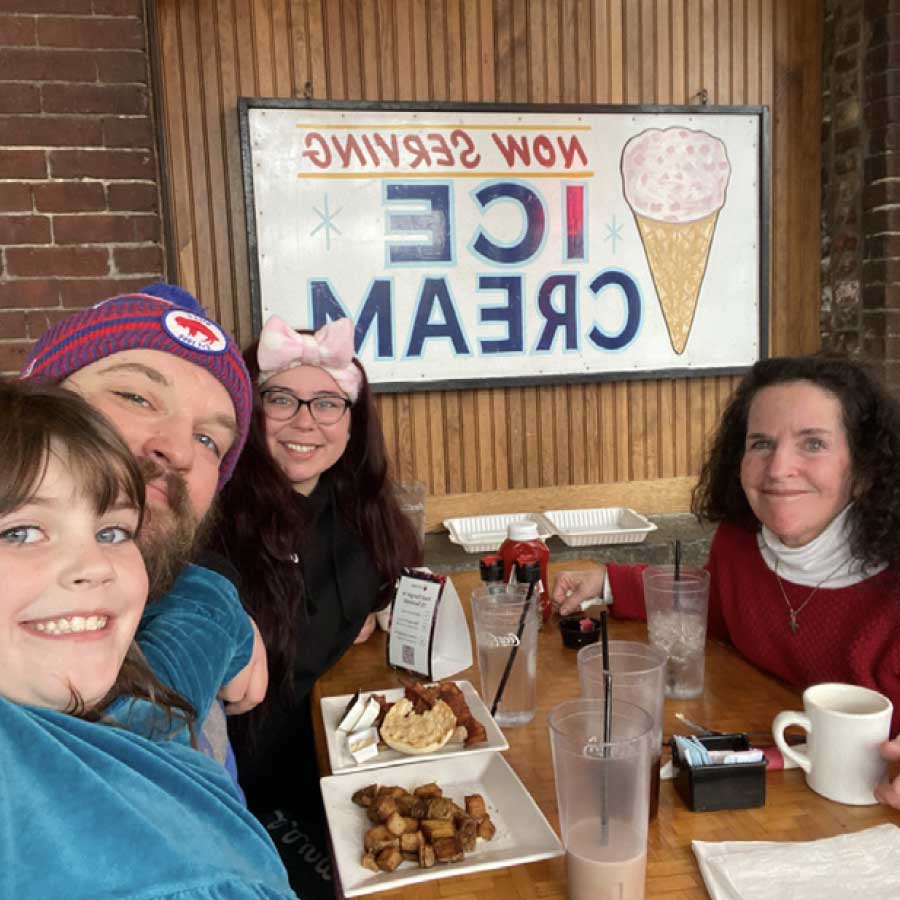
826,561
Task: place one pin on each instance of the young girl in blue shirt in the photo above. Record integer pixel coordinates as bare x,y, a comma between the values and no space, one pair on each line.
102,793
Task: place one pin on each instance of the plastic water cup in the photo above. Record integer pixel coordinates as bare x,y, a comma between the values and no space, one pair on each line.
638,676
602,793
676,622
506,628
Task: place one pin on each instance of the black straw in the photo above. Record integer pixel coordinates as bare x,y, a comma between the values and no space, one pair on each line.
515,648
607,721
678,560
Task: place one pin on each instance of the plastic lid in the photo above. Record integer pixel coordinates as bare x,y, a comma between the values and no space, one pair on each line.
491,568
528,567
522,530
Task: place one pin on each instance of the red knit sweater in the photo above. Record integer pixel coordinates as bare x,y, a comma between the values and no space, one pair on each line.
849,634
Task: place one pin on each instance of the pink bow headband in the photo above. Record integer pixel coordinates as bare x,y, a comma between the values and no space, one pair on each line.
330,348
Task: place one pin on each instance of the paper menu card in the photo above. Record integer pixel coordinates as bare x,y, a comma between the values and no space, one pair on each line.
429,634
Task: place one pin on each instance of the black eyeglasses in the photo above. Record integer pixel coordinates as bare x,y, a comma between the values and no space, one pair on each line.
327,409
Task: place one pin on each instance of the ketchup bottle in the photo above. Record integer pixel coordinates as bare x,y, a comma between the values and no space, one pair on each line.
522,536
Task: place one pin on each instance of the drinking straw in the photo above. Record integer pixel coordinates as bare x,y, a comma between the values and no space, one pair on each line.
607,722
515,647
677,599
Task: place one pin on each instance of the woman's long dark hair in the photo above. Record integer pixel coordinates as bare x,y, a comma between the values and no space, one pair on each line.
871,419
261,527
39,420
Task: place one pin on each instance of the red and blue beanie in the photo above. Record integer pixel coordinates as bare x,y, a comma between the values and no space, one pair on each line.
158,317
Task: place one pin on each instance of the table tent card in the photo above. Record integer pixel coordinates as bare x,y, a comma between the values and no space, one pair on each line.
429,635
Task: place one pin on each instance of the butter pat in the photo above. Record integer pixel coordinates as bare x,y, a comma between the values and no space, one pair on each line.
363,745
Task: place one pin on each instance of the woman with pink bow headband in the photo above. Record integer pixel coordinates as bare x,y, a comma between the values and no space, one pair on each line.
311,522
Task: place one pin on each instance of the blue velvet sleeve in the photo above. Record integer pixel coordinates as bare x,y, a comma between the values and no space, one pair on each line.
197,637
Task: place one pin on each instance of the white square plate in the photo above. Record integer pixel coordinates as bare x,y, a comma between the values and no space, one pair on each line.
523,834
341,760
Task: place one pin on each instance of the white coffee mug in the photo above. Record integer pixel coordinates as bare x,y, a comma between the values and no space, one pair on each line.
844,724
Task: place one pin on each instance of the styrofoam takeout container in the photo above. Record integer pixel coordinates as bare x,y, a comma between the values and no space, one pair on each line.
482,534
610,525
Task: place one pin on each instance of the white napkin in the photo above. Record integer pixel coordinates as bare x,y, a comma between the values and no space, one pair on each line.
864,864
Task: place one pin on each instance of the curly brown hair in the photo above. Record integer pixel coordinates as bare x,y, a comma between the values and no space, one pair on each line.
871,420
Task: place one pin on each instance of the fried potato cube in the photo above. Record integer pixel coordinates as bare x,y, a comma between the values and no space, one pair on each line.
433,829
447,850
475,806
382,808
467,832
368,862
389,858
486,828
412,825
439,808
408,803
410,843
426,856
394,791
429,790
375,839
395,824
364,796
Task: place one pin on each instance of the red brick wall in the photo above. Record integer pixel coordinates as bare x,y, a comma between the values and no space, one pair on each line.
79,178
861,183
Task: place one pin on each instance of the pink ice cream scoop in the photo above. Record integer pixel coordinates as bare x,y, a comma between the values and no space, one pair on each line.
675,174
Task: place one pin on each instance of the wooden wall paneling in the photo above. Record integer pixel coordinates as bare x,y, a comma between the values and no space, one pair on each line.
679,413
644,51
631,56
498,432
573,405
738,44
176,125
281,24
723,17
437,447
661,38
198,151
622,432
566,52
693,50
678,92
220,289
753,45
238,286
539,39
419,438
455,89
468,442
637,432
470,35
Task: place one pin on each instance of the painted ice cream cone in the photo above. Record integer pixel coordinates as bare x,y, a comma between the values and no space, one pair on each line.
674,181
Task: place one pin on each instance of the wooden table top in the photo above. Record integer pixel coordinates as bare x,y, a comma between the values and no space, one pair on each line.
737,697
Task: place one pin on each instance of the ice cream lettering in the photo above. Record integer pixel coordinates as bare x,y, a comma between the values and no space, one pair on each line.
675,181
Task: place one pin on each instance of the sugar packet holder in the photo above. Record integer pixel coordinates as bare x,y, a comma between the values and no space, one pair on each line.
429,635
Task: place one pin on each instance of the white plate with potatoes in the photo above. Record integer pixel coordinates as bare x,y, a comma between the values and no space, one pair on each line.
341,760
519,832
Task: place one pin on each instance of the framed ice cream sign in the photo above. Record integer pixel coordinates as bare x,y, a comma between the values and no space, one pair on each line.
475,245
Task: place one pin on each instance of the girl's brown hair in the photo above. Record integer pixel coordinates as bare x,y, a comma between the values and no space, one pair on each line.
39,420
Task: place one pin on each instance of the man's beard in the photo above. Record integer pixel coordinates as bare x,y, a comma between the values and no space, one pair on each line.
171,538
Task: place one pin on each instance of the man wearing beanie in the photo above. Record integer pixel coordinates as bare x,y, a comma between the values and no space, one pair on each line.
175,386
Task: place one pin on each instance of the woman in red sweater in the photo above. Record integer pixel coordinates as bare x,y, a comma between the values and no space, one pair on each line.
803,478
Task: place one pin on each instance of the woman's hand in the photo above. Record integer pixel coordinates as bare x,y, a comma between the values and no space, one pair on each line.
248,688
889,792
571,589
366,631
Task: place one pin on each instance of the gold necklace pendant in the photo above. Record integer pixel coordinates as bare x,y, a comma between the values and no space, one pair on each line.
793,624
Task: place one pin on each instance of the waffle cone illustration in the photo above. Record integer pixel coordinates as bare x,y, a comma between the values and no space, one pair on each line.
674,181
